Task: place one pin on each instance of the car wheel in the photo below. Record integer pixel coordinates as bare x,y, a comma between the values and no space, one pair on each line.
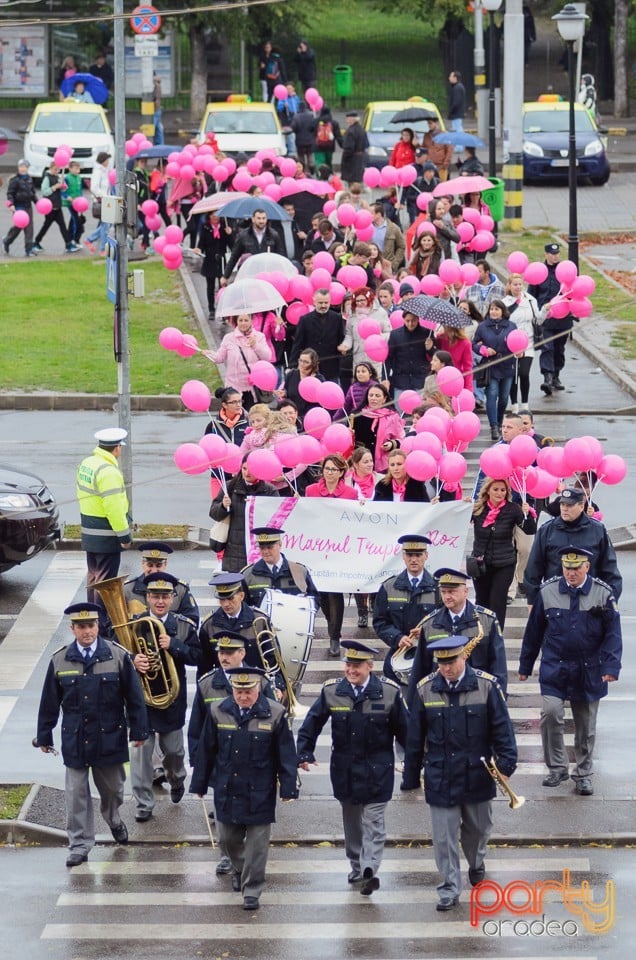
600,181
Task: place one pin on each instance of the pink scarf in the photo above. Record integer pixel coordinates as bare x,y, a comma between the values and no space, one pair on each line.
399,488
366,484
493,513
376,415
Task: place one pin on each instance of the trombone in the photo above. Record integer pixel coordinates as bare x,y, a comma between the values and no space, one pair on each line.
268,651
514,802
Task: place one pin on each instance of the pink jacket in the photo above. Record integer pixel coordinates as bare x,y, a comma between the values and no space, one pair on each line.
266,323
390,427
236,373
462,354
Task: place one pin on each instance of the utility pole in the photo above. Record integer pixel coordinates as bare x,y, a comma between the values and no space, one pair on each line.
513,86
480,73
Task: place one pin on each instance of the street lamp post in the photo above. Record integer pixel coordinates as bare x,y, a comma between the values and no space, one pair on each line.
571,24
491,6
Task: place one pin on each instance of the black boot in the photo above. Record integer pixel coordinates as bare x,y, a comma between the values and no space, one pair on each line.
494,433
556,383
546,386
334,648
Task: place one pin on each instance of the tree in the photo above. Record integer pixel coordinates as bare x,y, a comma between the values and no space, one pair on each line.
621,101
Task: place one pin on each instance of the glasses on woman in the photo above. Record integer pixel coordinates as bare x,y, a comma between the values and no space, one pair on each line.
330,470
232,403
361,303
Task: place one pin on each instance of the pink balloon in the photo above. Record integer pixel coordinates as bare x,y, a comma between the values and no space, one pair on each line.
316,421
407,175
138,137
535,272
170,338
596,449
523,451
280,91
471,215
426,227
583,286
254,165
301,289
330,395
517,341
287,167
149,208
328,207
188,346
517,262
191,459
496,463
320,279
422,201
369,326
581,308
289,451
363,219
431,284
413,283
131,148
220,173
214,447
559,309
310,448
324,261
371,177
470,273
62,157
264,465
388,176
486,223
264,375
376,348
566,272
308,389
466,426
482,241
337,293
242,180
452,467
464,401
466,231
230,164
449,271
171,251
539,483
295,311
346,214
172,170
318,104
337,438
153,223
450,381
21,219
579,455
365,234
159,244
173,234
196,396
612,469
409,400
352,277
43,206
273,192
187,172
552,460
233,458
311,94
432,425
428,442
420,465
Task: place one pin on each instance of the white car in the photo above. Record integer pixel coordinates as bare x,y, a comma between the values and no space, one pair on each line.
82,126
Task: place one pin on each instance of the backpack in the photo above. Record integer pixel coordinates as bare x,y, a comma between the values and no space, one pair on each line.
324,133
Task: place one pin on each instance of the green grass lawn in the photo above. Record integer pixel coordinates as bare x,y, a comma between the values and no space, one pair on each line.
57,327
11,800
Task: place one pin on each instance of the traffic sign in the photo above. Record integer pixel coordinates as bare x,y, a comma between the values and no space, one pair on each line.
146,46
145,20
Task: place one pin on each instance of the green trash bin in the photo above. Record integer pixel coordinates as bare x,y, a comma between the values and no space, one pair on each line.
494,197
343,79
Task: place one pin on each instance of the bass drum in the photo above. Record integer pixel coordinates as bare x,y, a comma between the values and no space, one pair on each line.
402,664
293,620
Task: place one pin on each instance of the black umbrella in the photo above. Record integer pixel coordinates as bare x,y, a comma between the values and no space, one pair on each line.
412,115
433,311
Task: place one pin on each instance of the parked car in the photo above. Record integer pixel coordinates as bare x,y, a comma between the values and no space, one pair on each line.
29,518
243,127
546,128
82,126
383,135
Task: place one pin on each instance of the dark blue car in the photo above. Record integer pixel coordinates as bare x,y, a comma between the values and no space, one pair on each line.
545,143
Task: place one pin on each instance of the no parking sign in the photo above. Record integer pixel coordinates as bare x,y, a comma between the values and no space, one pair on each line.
145,20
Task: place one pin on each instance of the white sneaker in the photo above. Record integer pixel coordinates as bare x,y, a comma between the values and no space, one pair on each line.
514,408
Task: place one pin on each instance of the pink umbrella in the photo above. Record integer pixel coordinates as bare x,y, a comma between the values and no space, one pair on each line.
462,185
216,200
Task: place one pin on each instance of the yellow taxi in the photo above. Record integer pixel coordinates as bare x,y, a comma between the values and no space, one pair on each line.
82,126
243,127
383,135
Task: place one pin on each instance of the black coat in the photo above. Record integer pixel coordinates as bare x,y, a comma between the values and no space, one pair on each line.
21,191
184,649
494,333
304,126
415,492
407,363
306,64
248,242
291,385
234,557
495,543
323,332
354,145
213,250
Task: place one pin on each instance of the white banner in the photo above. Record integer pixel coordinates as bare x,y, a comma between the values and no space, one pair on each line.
352,547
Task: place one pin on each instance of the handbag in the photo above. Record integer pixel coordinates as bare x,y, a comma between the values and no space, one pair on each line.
262,396
96,209
475,566
219,533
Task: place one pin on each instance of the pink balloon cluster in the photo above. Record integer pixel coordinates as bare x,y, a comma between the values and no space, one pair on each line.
390,176
475,231
575,291
138,142
436,449
62,155
184,344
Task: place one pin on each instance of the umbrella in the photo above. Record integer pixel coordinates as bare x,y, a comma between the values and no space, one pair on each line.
162,150
245,207
412,115
248,296
265,263
462,185
458,139
433,311
96,87
215,200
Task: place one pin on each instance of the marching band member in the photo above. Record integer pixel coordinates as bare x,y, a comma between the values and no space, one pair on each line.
274,571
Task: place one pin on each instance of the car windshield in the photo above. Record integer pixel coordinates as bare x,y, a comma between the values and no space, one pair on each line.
243,121
381,123
556,121
62,121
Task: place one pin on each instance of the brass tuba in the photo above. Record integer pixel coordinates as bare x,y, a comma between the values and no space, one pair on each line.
273,662
514,802
161,683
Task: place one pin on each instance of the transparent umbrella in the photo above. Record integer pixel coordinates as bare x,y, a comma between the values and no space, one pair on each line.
248,296
265,263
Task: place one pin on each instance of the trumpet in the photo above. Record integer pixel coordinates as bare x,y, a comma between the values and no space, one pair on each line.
273,662
514,802
161,682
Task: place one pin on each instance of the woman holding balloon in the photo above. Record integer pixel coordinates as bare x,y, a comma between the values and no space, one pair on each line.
397,486
378,427
230,424
494,519
490,342
230,501
292,389
525,310
239,351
